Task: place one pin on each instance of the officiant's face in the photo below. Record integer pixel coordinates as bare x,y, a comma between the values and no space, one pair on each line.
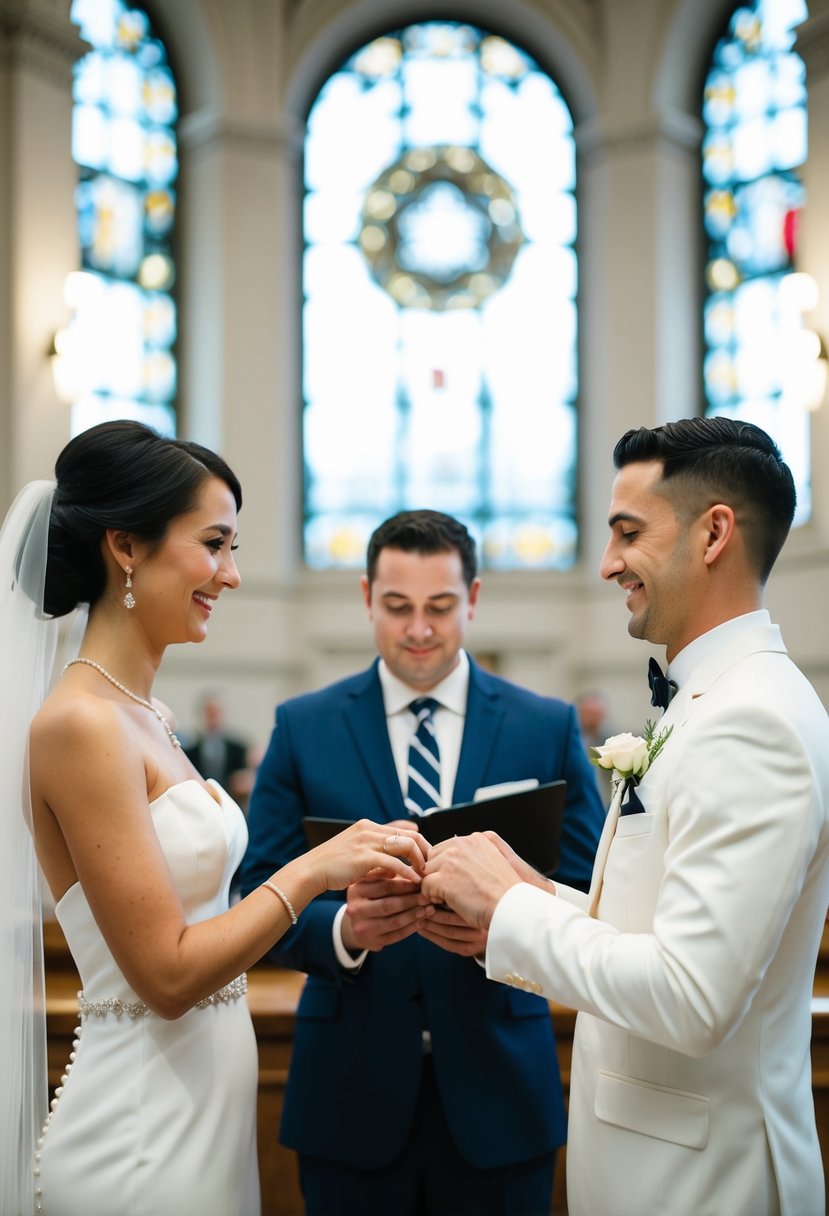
420,607
651,556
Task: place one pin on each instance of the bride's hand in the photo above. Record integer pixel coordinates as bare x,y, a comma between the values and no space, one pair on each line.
366,847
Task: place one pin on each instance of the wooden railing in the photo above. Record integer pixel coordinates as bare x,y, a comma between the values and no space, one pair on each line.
273,996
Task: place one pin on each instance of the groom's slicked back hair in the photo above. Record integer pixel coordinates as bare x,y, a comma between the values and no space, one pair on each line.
423,532
710,460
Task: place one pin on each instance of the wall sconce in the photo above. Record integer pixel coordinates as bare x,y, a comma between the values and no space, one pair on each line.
816,373
64,370
71,352
808,361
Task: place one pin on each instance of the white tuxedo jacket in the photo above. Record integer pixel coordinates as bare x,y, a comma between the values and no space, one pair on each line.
691,1080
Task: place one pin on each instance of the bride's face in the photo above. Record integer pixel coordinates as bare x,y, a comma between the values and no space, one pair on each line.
177,586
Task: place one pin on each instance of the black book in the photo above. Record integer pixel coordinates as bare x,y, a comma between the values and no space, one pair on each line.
528,820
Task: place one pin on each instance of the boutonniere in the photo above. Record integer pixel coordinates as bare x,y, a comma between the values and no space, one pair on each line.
630,756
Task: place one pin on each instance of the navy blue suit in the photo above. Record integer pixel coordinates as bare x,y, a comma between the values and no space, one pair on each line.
356,1066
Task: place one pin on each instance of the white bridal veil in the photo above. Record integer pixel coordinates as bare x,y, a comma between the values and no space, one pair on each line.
28,646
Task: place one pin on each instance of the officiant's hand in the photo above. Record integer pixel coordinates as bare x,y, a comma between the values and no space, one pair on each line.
381,910
470,874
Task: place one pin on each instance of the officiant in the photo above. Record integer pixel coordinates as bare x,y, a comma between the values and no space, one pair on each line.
416,1085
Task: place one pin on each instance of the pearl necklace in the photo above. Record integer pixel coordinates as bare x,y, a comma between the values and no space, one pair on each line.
132,695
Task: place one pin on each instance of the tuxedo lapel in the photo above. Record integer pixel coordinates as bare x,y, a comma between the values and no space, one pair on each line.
675,715
700,680
365,719
608,832
484,714
708,671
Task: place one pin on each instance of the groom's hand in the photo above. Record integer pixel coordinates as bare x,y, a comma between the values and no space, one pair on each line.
470,874
446,929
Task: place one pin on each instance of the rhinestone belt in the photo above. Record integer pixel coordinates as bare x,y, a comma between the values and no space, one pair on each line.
137,1009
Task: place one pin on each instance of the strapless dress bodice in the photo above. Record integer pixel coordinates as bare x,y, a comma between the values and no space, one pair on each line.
203,838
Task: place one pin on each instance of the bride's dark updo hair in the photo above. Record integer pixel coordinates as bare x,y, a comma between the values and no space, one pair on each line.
120,475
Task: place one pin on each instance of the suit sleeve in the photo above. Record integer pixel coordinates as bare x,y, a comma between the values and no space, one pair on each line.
737,859
275,826
583,813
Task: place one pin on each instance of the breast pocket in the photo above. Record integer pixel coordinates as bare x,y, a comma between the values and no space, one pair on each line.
634,825
634,872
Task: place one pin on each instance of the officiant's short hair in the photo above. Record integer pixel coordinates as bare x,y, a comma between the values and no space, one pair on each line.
425,532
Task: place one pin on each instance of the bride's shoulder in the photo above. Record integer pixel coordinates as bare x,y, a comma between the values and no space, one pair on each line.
78,721
165,709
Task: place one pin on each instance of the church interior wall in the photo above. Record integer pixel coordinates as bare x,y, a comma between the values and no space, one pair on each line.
247,74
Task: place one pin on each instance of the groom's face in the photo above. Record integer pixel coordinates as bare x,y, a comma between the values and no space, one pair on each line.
651,556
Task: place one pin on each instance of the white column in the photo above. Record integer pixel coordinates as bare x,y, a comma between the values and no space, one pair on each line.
813,252
240,347
640,297
38,241
640,271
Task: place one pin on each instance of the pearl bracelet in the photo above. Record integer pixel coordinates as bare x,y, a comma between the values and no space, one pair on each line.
289,907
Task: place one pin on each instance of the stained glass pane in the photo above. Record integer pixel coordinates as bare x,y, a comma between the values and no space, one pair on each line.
120,343
755,312
440,282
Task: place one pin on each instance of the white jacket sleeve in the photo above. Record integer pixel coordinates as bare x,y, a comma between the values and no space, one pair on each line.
731,849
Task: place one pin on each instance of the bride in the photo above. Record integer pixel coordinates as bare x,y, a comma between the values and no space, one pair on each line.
156,1112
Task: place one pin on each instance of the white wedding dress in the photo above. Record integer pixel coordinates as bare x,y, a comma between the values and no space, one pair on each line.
155,1117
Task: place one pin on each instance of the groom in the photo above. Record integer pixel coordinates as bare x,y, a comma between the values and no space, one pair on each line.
692,959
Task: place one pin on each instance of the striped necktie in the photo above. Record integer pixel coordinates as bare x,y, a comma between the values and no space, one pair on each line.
424,759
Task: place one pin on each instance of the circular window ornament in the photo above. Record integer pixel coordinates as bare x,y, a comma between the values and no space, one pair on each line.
440,229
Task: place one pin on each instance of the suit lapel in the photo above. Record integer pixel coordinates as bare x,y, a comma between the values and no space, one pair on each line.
608,832
483,721
674,716
365,719
750,641
708,671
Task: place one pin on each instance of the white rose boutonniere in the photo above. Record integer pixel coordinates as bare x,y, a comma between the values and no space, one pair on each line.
630,756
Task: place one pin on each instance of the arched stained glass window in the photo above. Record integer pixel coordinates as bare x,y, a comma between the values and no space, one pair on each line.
754,110
120,341
440,280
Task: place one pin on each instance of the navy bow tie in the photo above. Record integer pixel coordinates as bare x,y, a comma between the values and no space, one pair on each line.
662,689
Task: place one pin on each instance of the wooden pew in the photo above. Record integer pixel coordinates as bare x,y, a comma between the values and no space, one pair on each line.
273,995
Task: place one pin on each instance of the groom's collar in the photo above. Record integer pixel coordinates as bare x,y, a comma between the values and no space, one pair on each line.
696,652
